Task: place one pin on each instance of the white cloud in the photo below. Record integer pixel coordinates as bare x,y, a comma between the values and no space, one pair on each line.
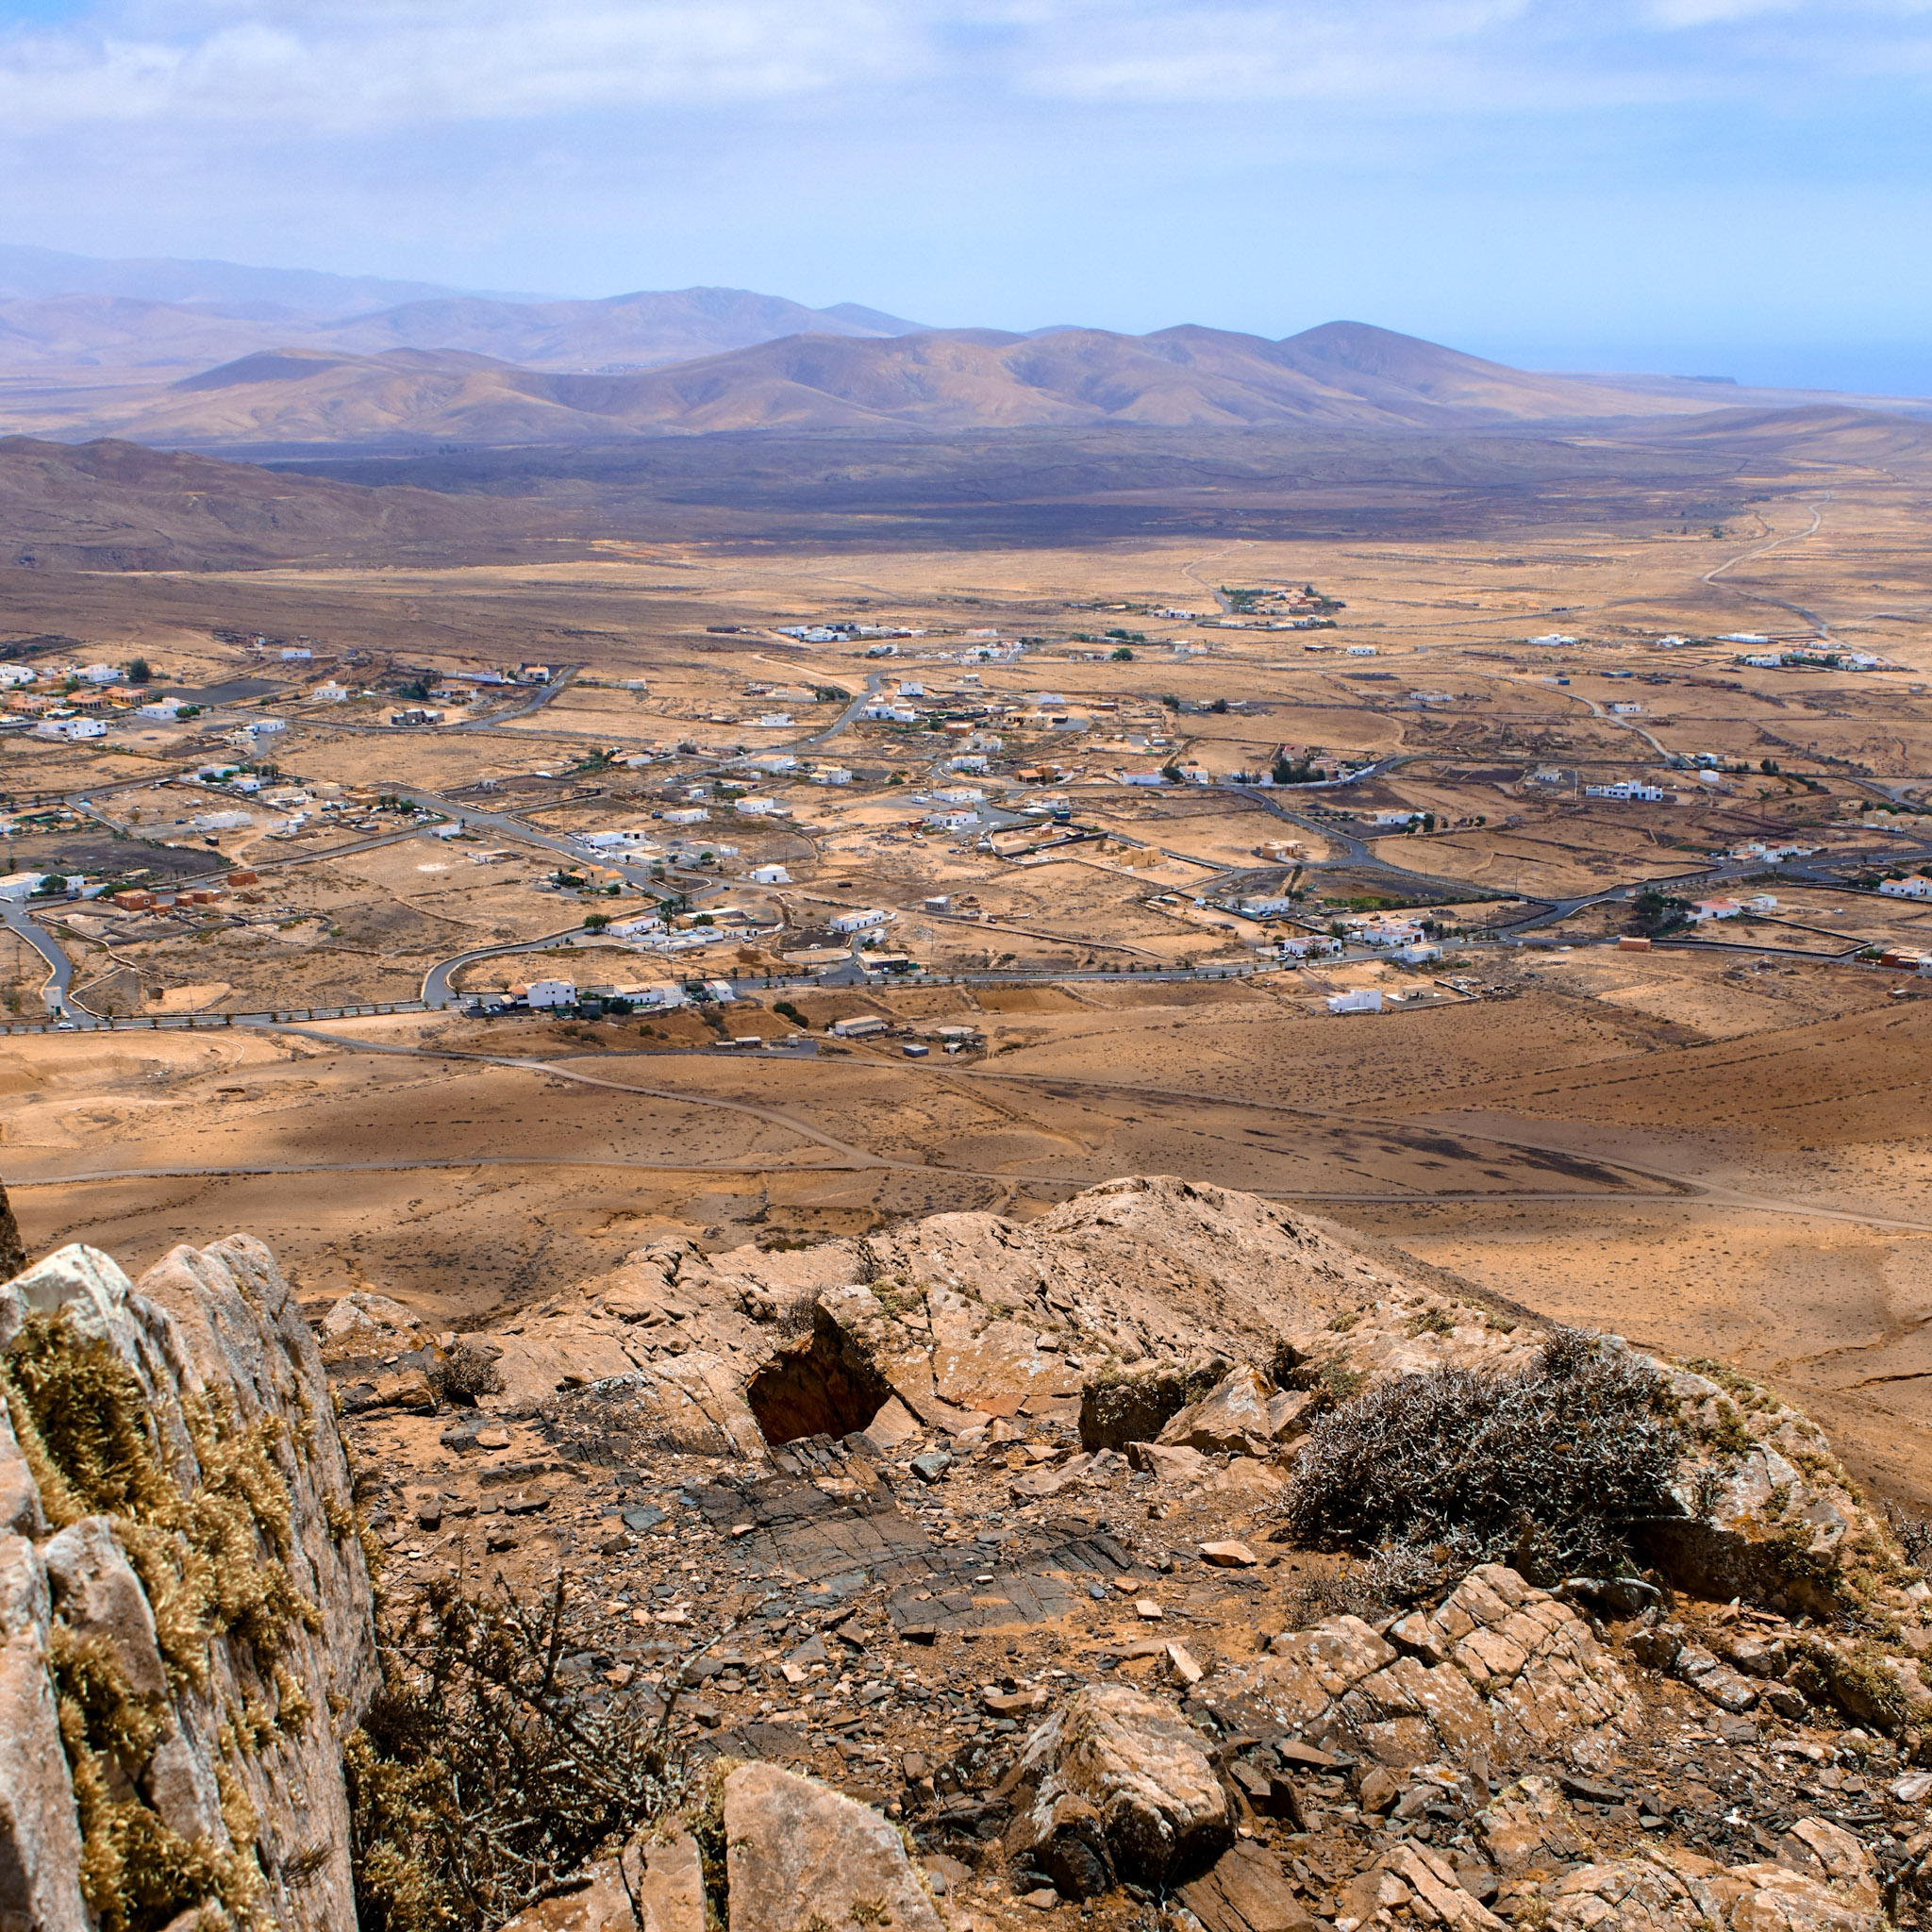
347,65
335,66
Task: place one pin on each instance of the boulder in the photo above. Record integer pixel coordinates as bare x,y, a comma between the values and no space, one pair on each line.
1142,1770
795,1851
1170,1465
1134,1404
1232,1418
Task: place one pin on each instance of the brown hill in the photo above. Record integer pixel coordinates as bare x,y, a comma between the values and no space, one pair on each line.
117,506
1343,374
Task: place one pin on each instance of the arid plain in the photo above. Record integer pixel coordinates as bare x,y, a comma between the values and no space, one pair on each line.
1716,1146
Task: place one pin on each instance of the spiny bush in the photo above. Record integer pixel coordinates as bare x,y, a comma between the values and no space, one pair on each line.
1550,1466
1913,1535
465,1372
481,1776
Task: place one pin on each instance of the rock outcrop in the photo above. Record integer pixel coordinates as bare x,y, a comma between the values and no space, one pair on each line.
1119,1788
184,1602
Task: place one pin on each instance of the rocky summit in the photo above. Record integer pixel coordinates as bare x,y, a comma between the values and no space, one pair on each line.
1167,1563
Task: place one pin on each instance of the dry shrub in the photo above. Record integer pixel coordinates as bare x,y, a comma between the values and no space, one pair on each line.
1913,1535
1548,1467
468,1372
799,1315
482,1777
1392,1579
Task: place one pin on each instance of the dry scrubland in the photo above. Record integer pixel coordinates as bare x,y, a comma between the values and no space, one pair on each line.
1721,1152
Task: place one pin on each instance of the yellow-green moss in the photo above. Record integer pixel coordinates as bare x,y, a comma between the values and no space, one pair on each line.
86,1424
136,1872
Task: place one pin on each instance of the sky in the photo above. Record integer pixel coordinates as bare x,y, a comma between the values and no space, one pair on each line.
1702,187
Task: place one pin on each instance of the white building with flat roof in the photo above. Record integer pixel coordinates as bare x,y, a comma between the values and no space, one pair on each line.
1362,999
872,917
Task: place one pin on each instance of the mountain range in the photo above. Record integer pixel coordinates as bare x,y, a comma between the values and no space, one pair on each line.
214,356
1338,374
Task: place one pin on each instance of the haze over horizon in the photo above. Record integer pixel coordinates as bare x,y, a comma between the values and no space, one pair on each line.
1695,187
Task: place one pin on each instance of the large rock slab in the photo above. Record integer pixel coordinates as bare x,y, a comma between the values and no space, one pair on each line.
797,1852
191,1531
1246,1891
1497,1665
1670,1889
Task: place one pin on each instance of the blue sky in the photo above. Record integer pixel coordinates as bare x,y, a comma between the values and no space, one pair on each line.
1713,187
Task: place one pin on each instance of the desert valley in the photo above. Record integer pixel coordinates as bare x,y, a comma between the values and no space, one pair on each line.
749,913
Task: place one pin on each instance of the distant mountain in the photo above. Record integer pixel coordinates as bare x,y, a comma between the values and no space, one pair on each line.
66,318
227,287
615,333
1343,375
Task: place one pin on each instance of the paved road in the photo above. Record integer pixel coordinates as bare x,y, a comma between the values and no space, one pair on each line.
439,993
60,967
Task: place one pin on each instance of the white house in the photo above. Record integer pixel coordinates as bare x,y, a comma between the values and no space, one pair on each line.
331,693
1626,710
15,674
1626,788
775,720
624,839
296,653
1913,887
770,875
70,728
1418,955
655,999
18,886
832,775
100,674
1714,908
1363,999
860,922
267,727
167,710
688,815
1310,945
952,821
1361,651
763,809
969,762
1141,777
546,993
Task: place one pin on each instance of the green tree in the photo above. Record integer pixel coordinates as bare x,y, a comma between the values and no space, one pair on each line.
137,671
1124,655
